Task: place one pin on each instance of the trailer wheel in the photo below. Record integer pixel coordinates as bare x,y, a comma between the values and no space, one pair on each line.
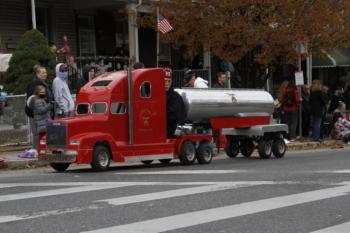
187,155
265,148
204,153
59,167
279,148
147,162
165,161
247,147
101,158
232,147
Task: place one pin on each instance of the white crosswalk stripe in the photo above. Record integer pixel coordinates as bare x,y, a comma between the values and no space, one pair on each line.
177,189
341,228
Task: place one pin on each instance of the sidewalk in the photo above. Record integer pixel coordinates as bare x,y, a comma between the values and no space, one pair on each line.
9,159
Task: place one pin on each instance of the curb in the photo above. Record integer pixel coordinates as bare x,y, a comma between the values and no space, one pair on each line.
22,164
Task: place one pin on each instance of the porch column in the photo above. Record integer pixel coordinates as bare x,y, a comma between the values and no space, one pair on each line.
33,14
207,63
133,32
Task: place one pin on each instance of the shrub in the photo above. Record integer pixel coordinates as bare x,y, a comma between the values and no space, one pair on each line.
32,50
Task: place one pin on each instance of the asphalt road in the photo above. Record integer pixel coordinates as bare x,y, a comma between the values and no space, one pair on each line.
303,192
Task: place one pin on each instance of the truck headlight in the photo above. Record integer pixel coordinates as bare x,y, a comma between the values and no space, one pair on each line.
75,142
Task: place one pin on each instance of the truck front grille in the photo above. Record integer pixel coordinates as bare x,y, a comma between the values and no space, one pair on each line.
56,135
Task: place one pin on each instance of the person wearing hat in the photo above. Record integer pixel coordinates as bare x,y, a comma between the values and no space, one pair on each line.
175,108
192,80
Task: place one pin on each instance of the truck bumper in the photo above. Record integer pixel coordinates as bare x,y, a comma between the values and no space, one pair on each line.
58,156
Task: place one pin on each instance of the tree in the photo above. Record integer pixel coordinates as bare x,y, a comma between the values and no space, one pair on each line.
32,50
269,28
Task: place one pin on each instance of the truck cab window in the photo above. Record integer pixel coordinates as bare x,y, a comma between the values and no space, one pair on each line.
82,109
145,90
118,108
99,108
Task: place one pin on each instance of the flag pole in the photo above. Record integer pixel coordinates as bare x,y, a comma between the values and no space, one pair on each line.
157,37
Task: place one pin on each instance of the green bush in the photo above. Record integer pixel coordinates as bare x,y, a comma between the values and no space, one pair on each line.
32,50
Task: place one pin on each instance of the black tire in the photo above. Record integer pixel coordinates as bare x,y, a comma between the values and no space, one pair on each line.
187,154
204,153
279,148
165,161
60,167
232,147
147,162
247,147
101,158
265,149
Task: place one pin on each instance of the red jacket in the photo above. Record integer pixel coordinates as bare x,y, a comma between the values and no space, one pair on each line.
294,107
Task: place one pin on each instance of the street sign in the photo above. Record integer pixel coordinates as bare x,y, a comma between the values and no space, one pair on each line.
299,78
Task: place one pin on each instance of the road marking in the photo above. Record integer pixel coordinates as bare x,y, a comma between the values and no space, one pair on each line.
341,228
182,172
13,218
93,186
221,213
180,192
60,191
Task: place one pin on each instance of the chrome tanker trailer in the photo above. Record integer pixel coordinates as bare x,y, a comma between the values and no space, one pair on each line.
242,115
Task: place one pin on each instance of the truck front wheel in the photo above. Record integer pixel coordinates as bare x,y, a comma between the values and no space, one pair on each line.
101,158
60,167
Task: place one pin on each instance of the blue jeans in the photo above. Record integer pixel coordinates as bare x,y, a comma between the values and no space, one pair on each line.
316,129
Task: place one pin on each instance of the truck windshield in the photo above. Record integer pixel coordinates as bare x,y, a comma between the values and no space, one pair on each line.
99,108
82,109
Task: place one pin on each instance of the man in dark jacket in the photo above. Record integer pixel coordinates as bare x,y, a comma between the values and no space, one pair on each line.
221,81
175,108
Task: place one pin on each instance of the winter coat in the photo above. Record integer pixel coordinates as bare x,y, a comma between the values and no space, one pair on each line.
294,107
317,103
41,111
175,111
36,82
200,83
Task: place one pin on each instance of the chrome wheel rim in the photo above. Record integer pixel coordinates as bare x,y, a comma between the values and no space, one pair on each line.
103,158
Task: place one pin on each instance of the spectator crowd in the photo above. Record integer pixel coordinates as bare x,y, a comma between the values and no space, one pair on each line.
322,114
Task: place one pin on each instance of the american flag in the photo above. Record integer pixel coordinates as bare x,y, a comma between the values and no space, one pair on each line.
163,24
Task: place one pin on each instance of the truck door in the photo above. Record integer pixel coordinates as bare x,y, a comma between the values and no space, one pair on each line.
149,110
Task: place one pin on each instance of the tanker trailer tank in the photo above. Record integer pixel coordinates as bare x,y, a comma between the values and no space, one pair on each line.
203,104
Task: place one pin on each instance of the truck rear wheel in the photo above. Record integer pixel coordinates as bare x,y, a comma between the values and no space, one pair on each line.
147,162
101,158
60,167
204,153
265,148
247,147
187,155
232,147
279,148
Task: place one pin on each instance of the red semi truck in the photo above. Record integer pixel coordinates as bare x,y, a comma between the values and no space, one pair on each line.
121,116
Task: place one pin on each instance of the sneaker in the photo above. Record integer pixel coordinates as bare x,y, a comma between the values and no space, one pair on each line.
292,139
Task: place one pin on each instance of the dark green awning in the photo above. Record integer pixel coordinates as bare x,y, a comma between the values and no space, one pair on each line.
333,58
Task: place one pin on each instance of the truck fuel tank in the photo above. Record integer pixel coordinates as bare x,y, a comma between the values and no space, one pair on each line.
203,104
